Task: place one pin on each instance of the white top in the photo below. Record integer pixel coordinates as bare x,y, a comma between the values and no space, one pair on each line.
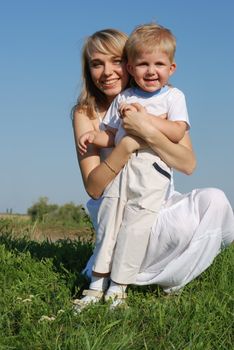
168,100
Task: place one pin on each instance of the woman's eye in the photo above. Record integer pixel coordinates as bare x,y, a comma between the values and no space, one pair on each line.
95,64
118,62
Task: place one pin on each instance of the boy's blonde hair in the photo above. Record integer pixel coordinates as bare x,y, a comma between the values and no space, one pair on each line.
147,38
106,41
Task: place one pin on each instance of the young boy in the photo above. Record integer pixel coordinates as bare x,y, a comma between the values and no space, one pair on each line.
131,202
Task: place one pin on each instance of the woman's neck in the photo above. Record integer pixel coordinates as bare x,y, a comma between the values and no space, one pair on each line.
102,108
101,111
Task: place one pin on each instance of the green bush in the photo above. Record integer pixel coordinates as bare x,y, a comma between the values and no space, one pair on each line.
68,214
41,208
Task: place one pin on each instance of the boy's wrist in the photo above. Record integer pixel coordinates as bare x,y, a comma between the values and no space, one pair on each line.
130,144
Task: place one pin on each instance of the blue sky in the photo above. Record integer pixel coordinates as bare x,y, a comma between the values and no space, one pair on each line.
40,80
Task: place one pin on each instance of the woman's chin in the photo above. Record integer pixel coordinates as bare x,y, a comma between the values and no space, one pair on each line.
111,93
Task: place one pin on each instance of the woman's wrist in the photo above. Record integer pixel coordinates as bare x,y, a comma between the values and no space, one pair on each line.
110,167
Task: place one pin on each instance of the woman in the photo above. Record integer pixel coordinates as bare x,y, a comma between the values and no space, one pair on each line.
191,228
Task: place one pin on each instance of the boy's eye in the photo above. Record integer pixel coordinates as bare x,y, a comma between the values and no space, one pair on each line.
159,64
140,64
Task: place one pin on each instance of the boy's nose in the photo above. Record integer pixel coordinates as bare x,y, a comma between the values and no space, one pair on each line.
151,69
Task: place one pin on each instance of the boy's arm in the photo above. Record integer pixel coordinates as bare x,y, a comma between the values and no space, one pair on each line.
100,139
173,130
104,138
177,121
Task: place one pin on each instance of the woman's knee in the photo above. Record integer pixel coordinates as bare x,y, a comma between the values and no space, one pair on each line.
214,201
213,197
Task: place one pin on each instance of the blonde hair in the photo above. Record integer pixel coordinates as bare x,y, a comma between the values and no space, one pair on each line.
147,38
107,41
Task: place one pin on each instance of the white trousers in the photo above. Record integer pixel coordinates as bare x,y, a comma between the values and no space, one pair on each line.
126,215
190,231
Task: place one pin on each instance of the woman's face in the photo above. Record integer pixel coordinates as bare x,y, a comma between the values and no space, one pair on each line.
109,73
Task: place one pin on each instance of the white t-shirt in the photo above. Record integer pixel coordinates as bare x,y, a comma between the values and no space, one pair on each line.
168,100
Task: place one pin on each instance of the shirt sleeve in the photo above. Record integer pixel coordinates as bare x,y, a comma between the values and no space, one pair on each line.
177,109
112,116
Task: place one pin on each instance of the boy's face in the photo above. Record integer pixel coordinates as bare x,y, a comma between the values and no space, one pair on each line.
151,70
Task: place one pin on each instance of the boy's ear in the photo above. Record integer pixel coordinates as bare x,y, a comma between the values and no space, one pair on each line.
172,68
129,68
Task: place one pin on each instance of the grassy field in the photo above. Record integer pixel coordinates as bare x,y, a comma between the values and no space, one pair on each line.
19,226
39,279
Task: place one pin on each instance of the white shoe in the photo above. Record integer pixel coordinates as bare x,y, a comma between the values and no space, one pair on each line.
91,297
117,299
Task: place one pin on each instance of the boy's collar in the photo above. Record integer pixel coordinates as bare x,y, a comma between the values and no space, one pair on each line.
143,93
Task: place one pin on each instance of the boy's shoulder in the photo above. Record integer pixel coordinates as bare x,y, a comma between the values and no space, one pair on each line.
174,91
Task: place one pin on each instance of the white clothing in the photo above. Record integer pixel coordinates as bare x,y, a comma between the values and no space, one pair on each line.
168,100
189,233
128,211
130,205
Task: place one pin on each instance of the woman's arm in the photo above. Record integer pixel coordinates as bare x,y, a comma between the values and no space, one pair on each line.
97,175
173,130
100,176
179,156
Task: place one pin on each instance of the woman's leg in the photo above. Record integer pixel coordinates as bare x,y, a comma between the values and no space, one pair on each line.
188,235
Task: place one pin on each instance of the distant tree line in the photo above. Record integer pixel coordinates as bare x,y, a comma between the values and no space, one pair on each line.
67,214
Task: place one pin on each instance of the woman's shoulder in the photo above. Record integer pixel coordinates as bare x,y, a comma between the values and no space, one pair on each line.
82,113
82,122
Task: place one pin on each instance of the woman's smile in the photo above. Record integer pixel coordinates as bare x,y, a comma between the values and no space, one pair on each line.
110,82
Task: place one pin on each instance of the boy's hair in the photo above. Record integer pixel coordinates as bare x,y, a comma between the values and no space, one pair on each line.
147,38
106,41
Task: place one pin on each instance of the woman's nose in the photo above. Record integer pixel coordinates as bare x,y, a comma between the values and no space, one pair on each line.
108,69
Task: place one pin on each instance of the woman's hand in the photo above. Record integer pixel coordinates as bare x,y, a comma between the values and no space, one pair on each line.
133,118
136,121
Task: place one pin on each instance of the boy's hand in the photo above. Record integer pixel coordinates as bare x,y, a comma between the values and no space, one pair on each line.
126,107
84,140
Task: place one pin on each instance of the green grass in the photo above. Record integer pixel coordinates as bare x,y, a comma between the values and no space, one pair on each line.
38,281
